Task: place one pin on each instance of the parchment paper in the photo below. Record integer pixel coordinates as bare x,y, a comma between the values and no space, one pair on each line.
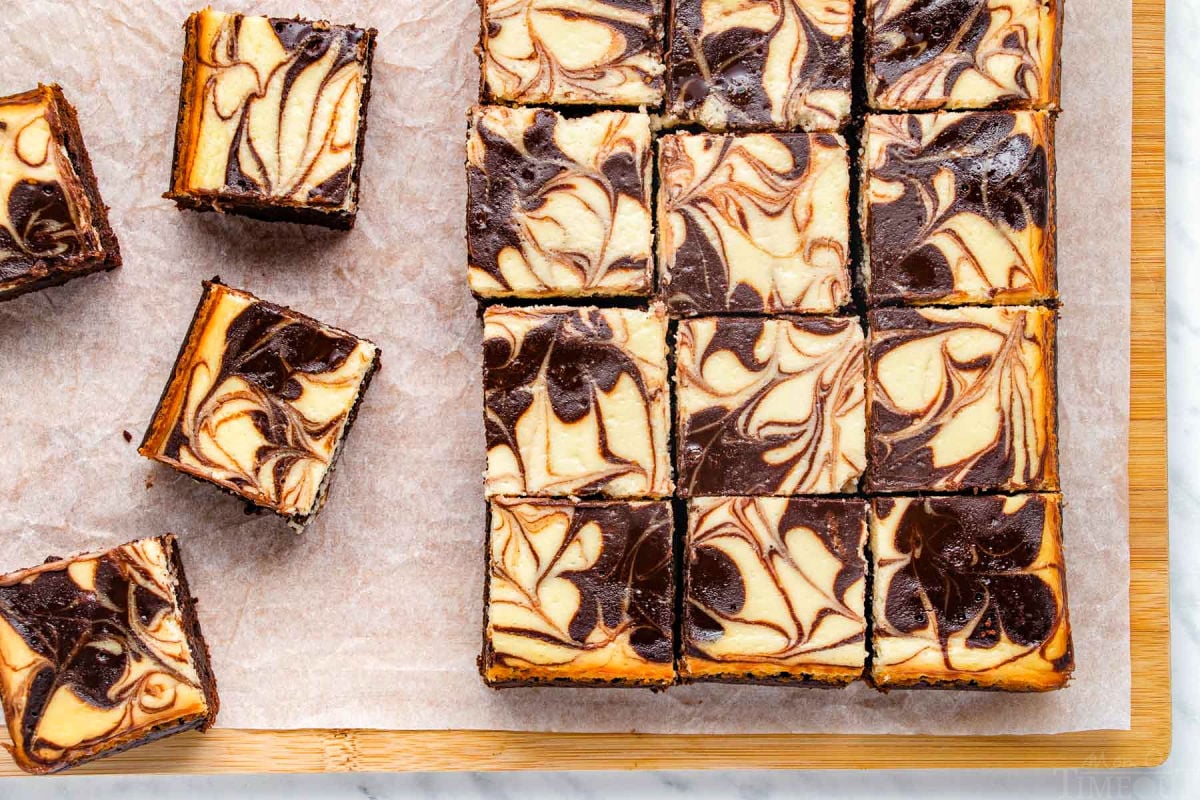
372,618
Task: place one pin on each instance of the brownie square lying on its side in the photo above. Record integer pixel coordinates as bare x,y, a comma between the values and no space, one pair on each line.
272,118
579,593
775,590
969,592
99,653
260,401
53,223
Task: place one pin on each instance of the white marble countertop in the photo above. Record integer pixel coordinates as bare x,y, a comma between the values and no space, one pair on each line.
1179,777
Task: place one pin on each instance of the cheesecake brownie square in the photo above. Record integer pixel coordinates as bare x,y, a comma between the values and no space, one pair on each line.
272,117
760,64
558,207
572,52
579,593
260,401
99,653
53,223
958,208
753,223
576,401
962,399
775,590
770,406
964,54
969,592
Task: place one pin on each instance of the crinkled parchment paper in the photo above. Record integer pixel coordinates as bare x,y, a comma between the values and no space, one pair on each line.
372,618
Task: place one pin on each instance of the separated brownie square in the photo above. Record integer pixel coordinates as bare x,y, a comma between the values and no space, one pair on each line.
99,653
775,590
770,406
958,208
969,592
754,223
962,399
260,401
558,207
579,593
572,52
272,116
760,64
576,401
966,54
53,223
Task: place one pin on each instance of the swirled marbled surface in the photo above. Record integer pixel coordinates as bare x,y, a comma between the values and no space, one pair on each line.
579,592
100,651
770,406
760,64
593,52
775,589
558,207
960,207
259,401
924,54
575,401
758,222
962,398
970,591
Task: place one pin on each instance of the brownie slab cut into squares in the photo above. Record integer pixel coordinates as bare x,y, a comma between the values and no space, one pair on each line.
775,590
558,207
959,208
53,223
963,54
969,592
770,406
272,118
760,64
101,652
572,52
751,223
260,401
579,593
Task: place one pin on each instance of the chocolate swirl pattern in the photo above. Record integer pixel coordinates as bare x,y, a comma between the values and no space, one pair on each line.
970,591
594,52
760,64
260,400
100,652
758,222
775,590
271,111
968,54
959,207
558,207
962,399
579,592
770,406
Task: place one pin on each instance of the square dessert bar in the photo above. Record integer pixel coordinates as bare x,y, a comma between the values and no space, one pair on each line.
579,593
576,401
572,52
260,401
969,593
770,406
775,590
53,224
558,207
752,223
962,399
967,54
272,117
760,64
958,208
99,653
